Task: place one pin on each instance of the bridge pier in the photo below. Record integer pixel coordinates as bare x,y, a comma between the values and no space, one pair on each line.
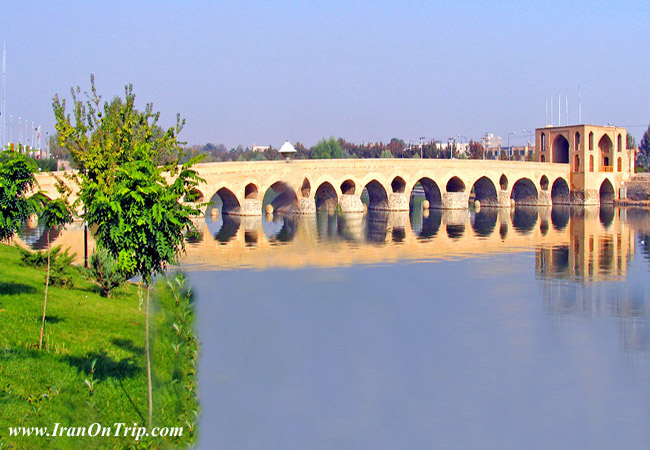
545,198
350,203
249,207
454,200
306,206
587,197
398,201
504,199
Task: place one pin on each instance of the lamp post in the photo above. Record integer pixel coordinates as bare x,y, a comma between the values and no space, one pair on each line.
421,154
509,148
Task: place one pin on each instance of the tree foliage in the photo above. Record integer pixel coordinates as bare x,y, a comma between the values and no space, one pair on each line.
327,149
475,150
104,270
630,142
16,180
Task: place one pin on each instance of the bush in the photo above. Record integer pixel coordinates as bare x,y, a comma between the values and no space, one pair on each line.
104,271
39,258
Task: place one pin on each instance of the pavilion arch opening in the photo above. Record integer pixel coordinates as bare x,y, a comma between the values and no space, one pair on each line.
374,196
305,190
619,164
426,189
576,141
605,147
606,193
455,184
619,147
250,192
524,193
226,202
503,182
576,163
485,192
326,198
281,196
542,158
543,183
560,150
591,140
348,187
560,194
398,185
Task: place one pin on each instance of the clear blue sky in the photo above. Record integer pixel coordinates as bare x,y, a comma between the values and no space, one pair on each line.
262,72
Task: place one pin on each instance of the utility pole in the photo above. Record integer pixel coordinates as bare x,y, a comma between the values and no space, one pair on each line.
3,101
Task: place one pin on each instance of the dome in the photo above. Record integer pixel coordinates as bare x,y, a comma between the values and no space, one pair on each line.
287,148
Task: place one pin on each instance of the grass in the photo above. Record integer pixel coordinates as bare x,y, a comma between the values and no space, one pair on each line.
92,367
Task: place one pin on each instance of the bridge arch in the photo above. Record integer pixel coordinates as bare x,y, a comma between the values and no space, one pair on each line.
305,189
560,150
251,191
398,185
326,197
348,187
503,182
524,193
560,194
606,192
281,196
229,202
543,183
485,192
377,198
431,192
455,184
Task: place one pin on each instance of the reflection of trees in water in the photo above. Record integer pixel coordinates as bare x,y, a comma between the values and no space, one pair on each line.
485,221
524,219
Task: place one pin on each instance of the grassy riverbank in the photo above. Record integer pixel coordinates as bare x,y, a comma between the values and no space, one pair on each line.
41,388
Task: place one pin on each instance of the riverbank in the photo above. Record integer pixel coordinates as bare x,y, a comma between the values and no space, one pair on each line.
92,367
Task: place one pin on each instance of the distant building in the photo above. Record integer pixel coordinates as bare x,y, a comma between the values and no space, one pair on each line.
259,148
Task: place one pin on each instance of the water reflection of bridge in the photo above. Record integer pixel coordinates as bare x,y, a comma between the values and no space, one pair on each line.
570,243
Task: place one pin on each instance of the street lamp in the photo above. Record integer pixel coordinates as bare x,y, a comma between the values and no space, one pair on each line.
421,154
510,148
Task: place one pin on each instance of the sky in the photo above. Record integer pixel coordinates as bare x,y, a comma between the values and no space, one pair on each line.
265,72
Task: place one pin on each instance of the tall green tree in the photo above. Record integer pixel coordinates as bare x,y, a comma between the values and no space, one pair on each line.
643,156
16,181
131,185
327,149
55,214
630,142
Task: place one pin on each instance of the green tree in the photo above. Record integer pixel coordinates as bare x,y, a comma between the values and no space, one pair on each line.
644,149
475,150
55,214
630,141
385,153
137,214
327,149
16,181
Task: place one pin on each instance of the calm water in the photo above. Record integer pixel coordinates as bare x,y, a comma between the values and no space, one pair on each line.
498,329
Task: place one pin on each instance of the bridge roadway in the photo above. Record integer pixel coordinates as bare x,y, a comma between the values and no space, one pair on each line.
302,186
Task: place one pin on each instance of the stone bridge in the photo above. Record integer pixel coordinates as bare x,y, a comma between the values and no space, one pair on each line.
302,186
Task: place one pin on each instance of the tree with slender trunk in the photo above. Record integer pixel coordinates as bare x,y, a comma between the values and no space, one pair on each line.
55,214
126,160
